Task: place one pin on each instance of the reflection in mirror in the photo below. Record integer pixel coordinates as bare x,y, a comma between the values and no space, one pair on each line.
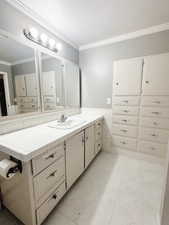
52,83
72,85
18,80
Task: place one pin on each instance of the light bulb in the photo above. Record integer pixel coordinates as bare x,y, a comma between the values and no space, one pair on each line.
59,46
52,43
44,38
34,32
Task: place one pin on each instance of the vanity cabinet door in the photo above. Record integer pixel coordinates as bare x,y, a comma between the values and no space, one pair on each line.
31,85
74,158
20,86
89,145
127,77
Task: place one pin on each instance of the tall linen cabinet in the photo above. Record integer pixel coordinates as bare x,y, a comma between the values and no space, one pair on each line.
140,105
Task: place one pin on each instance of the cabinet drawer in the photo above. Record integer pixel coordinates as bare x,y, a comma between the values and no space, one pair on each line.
153,148
125,100
129,120
98,146
123,130
49,178
53,153
154,101
156,135
154,112
49,106
124,142
50,100
49,205
29,105
125,110
154,122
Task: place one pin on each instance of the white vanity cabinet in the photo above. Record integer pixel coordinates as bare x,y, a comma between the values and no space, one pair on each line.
32,195
74,158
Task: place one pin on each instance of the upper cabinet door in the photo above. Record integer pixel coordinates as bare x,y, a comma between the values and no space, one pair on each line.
127,77
156,75
20,86
31,85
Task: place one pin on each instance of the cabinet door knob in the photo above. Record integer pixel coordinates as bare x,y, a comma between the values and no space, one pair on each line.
55,196
117,83
147,82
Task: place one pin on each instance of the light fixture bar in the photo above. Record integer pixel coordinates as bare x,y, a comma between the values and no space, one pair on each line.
42,40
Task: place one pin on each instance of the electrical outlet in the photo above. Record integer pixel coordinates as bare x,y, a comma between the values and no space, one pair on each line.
108,101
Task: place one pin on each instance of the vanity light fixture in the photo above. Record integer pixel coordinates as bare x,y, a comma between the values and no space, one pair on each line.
59,46
34,33
42,39
52,43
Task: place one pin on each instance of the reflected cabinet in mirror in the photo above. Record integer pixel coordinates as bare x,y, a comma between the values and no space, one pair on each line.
72,85
52,83
18,79
60,83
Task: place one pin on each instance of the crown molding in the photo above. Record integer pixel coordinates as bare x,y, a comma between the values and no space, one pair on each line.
5,63
18,4
128,36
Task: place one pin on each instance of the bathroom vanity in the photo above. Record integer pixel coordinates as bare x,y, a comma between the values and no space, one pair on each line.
52,159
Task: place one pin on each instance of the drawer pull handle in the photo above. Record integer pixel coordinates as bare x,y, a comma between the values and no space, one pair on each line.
157,102
55,196
99,124
147,82
52,174
123,131
124,121
152,148
49,156
123,142
155,123
117,83
126,111
99,133
154,135
156,113
125,101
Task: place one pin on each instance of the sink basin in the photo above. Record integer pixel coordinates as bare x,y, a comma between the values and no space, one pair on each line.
68,124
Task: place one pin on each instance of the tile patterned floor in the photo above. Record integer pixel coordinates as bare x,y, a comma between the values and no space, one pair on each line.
113,191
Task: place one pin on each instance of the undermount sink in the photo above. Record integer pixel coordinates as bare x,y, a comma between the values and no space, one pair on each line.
68,124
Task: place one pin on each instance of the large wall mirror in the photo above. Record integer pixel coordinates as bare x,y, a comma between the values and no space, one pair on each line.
18,79
60,83
23,89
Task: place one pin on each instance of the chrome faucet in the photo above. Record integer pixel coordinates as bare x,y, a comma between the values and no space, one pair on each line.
63,118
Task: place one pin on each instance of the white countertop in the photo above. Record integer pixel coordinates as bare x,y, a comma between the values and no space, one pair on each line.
29,143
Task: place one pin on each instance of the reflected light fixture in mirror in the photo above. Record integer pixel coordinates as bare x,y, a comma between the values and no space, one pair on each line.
42,39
